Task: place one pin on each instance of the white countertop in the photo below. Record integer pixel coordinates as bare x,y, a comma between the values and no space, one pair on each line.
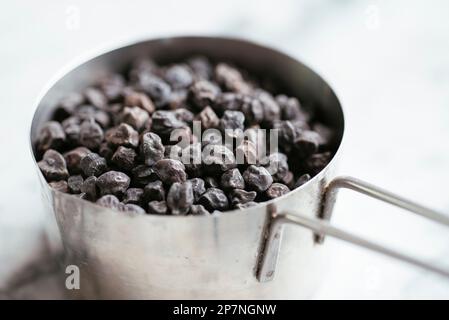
388,62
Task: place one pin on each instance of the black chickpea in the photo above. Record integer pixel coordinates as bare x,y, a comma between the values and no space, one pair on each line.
113,143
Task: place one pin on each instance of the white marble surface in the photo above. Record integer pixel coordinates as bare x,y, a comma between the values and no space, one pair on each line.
387,60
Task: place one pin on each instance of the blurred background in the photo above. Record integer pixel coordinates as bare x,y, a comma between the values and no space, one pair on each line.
388,62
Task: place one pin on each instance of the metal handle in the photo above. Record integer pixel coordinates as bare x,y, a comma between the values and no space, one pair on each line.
321,228
370,190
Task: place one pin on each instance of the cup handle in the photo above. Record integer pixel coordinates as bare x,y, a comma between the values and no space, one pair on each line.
268,260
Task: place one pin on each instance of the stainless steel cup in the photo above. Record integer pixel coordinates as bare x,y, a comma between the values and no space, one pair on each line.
233,255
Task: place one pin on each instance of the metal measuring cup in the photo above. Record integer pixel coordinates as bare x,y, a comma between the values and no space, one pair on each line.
237,254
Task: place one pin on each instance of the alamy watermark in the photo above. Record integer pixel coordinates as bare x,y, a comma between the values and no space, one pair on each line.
229,146
72,281
73,18
372,17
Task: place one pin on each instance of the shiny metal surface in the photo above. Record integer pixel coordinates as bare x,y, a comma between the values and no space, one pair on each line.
149,257
273,246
